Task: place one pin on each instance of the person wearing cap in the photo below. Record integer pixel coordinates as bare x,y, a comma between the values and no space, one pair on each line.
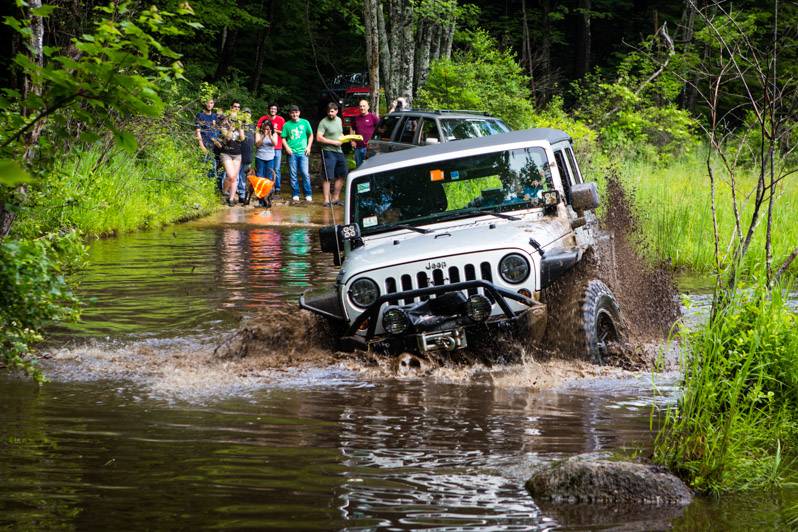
298,137
332,156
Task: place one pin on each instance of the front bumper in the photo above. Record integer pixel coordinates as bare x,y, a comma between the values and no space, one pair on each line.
366,322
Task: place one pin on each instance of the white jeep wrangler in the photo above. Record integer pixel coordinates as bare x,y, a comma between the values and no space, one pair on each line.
443,244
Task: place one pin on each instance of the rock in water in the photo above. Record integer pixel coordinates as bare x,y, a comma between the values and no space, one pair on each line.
580,479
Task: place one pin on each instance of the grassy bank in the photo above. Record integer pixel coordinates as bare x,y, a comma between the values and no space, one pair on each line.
103,189
673,203
735,427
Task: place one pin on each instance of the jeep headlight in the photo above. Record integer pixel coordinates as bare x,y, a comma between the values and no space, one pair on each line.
514,268
364,292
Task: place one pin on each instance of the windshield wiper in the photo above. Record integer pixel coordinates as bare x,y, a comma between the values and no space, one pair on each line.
467,212
412,228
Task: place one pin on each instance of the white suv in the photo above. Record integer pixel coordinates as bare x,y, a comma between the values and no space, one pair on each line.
445,243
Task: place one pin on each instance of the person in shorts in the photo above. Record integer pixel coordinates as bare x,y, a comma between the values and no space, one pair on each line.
334,166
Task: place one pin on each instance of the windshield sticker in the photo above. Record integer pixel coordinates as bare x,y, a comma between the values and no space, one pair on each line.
454,174
369,221
362,188
436,175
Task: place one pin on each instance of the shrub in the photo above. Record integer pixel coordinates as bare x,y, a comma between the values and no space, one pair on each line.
34,291
482,77
736,426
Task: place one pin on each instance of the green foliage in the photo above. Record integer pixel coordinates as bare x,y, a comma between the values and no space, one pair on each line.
634,113
101,189
554,116
735,426
118,67
34,291
673,205
480,77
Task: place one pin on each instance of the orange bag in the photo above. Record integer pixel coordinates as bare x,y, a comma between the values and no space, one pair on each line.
261,186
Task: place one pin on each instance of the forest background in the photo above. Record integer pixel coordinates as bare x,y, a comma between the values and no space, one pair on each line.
690,103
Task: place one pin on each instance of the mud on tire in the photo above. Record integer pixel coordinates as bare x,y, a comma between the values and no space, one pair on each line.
584,319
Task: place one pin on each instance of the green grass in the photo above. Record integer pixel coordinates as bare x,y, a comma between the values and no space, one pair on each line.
673,206
102,190
735,427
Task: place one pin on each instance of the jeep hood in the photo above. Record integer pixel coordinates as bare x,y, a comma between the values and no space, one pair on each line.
443,242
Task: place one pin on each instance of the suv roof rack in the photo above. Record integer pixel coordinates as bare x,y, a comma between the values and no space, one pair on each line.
444,111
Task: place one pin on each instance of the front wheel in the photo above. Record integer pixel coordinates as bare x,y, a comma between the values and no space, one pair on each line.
601,324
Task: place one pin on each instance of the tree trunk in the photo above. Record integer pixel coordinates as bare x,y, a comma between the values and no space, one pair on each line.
408,51
526,50
370,19
446,40
547,83
385,54
424,45
583,50
260,53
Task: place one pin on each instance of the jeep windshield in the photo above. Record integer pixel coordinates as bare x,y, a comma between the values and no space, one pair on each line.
445,190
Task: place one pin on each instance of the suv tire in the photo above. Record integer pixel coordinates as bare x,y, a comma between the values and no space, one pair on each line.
601,321
583,318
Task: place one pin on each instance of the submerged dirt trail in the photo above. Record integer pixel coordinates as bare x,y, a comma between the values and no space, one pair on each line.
284,346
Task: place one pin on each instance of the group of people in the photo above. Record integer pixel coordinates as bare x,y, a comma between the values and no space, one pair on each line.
230,143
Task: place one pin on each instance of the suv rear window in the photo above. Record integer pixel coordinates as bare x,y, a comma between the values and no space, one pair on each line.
468,128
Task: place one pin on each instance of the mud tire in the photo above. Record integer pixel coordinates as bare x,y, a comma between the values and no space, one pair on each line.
586,321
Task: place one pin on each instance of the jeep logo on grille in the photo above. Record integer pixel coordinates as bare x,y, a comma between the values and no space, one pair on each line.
436,265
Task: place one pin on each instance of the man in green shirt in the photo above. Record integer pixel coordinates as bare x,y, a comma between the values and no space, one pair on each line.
333,161
298,136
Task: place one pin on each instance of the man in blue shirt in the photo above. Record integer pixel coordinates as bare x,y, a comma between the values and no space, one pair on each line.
206,131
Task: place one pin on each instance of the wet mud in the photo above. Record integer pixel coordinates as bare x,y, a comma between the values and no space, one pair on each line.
647,292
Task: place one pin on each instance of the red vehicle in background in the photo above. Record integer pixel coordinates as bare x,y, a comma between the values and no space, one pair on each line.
351,109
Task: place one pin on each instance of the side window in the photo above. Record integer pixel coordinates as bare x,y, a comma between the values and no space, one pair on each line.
565,175
574,169
385,127
409,128
429,132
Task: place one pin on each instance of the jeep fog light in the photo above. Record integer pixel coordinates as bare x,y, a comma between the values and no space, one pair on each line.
364,292
478,307
514,268
394,321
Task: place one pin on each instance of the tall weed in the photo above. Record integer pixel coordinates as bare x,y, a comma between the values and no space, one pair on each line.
736,425
673,203
103,189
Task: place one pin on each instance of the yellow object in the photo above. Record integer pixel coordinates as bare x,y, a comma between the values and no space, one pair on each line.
350,138
261,186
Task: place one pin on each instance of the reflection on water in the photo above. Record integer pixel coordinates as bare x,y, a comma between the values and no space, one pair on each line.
201,276
401,454
321,450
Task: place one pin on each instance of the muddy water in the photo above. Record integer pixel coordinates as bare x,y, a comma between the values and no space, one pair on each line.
128,436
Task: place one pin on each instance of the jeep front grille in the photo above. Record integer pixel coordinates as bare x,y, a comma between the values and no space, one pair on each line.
439,277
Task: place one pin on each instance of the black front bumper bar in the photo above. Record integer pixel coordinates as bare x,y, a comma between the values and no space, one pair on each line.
498,294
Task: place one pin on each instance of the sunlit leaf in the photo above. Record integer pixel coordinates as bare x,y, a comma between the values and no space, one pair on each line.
12,174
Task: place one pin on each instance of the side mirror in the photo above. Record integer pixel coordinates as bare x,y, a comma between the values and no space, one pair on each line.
584,197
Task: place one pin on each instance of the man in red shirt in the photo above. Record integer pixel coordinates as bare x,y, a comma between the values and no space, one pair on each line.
277,126
365,124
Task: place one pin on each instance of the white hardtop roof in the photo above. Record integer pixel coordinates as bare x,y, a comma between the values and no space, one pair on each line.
458,148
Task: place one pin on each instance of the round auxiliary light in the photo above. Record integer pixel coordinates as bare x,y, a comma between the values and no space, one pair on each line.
394,321
364,292
478,307
514,268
